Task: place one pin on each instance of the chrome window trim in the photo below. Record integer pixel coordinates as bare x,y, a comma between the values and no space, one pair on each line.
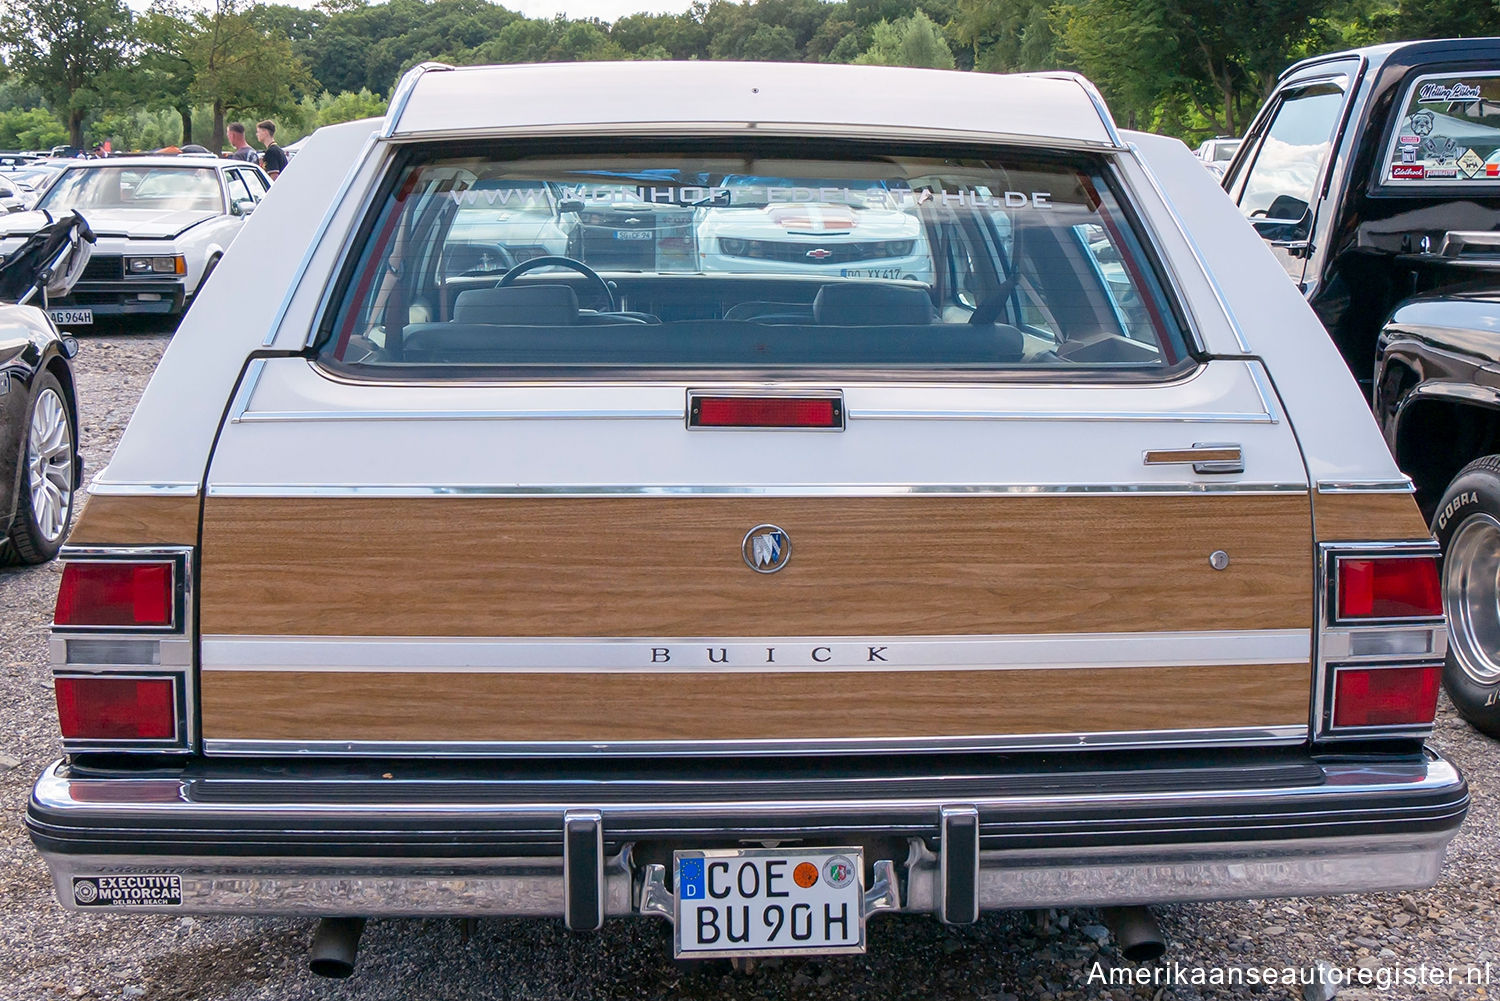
314,245
734,129
1197,252
1096,99
245,391
182,718
401,95
1271,736
743,490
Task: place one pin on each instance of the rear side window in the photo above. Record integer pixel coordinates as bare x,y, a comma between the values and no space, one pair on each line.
715,262
1448,132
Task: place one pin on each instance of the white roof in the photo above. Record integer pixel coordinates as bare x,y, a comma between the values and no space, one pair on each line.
836,99
187,160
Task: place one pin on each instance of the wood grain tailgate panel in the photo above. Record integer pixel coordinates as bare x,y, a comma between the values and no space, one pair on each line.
671,566
274,705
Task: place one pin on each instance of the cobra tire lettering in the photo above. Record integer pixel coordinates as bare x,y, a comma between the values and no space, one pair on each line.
1457,503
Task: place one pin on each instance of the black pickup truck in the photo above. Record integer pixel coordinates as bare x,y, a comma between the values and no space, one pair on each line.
1374,177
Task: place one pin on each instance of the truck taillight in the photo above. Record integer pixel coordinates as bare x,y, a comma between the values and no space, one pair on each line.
1391,587
1385,696
116,708
115,593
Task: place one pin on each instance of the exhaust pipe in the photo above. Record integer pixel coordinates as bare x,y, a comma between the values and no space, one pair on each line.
334,946
1136,934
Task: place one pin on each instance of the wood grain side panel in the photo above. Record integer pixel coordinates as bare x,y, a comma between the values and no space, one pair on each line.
110,519
274,705
1371,517
672,566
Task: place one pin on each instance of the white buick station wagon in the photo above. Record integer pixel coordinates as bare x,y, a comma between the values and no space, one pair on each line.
1064,567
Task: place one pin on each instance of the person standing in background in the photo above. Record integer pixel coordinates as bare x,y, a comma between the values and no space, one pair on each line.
273,160
242,150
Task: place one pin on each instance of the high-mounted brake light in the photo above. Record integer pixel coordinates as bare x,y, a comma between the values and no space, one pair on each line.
1385,696
115,593
1399,587
116,708
824,412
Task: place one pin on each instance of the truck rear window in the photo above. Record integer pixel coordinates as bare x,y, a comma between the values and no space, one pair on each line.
1448,132
715,261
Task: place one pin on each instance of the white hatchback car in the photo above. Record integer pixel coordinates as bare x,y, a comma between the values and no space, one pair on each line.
1072,570
162,223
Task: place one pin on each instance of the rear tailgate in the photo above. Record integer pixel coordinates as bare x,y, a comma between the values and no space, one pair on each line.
493,569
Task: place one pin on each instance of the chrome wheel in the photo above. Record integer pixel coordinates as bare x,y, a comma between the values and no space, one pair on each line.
49,461
1471,597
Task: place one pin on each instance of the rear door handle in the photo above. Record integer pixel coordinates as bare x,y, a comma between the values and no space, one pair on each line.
1206,457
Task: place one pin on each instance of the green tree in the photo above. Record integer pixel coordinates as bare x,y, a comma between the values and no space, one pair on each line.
910,41
162,75
239,67
1220,59
35,128
64,48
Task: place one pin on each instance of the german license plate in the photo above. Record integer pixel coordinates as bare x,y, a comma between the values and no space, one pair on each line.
769,902
871,273
634,234
71,317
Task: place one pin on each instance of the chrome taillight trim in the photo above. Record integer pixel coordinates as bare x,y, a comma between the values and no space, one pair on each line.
175,653
178,557
111,745
1382,551
1335,640
1410,730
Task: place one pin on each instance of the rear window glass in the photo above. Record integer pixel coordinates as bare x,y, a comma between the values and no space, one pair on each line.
1448,133
711,262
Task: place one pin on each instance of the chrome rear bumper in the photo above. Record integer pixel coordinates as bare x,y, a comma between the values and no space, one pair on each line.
1361,826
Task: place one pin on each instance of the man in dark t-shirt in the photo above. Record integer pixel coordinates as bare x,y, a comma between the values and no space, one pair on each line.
273,160
242,150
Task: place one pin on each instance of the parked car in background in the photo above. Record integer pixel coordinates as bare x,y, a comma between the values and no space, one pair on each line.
1217,152
12,197
40,469
1374,176
802,225
1070,570
163,223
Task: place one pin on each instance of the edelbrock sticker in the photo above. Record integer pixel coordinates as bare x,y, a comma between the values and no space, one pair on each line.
164,890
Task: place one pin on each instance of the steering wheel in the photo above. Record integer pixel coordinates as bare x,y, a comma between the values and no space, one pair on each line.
562,262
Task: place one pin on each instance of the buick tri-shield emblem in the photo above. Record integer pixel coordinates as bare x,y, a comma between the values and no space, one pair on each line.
766,549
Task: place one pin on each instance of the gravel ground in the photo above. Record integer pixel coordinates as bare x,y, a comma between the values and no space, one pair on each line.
46,953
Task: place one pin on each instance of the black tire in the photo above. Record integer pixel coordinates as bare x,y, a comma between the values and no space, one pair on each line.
1468,516
28,541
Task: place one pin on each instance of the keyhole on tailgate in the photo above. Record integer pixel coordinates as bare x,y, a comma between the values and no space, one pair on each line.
1219,560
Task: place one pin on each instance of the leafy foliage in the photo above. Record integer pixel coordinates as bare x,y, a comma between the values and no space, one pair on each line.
175,71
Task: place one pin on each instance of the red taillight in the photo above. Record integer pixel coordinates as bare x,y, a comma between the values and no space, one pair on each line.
1389,588
117,708
1385,696
764,412
115,593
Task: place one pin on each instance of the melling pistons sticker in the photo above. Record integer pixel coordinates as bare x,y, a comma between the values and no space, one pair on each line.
127,891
